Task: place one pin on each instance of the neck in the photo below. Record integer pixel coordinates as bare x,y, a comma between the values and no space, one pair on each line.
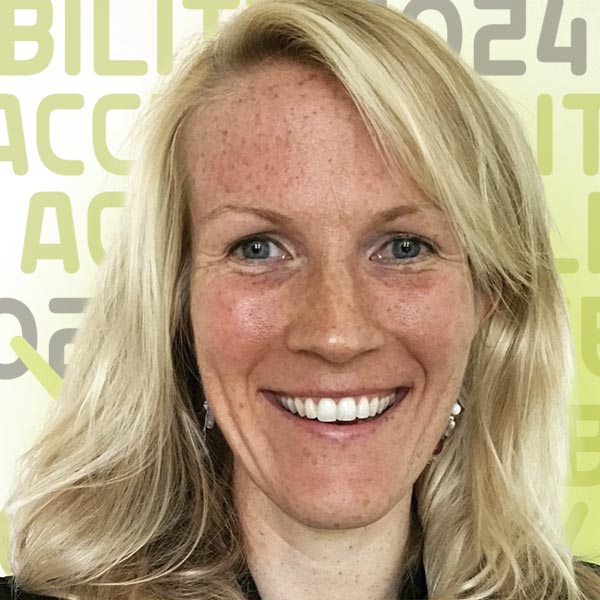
300,562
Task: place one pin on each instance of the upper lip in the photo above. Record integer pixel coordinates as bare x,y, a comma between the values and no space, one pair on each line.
332,393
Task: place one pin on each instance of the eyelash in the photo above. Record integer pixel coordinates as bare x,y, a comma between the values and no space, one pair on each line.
266,238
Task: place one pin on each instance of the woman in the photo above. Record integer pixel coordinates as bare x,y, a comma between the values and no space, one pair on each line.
328,354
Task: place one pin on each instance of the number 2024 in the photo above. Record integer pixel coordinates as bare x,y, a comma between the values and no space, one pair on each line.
547,49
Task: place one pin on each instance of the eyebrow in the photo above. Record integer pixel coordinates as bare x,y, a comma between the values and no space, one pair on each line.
379,218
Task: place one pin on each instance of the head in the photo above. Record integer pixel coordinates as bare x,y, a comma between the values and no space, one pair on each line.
336,304
331,114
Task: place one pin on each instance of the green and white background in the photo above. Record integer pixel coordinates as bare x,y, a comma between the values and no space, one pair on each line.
75,73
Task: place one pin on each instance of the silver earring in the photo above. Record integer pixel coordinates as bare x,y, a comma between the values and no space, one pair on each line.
457,408
209,418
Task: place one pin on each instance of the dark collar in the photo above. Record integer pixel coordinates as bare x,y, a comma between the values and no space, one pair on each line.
415,585
413,588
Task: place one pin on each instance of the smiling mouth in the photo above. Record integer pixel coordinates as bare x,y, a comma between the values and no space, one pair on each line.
341,411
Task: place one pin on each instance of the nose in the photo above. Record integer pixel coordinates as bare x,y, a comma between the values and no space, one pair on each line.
334,316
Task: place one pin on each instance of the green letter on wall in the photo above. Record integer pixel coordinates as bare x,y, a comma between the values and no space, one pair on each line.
66,249
11,33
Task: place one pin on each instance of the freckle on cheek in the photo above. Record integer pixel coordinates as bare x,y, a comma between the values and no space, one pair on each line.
248,318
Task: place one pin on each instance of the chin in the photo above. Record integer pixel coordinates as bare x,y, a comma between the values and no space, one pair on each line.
333,515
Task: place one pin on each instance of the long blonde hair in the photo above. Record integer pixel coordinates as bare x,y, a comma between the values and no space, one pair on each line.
122,498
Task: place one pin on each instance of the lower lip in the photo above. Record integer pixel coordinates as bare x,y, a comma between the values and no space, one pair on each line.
348,431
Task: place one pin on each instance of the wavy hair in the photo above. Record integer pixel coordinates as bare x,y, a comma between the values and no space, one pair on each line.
122,498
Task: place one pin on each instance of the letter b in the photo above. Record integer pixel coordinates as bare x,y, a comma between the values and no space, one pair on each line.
10,33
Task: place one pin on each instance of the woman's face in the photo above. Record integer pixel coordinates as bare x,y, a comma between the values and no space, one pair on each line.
299,286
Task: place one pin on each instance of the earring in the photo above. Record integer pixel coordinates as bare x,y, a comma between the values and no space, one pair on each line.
209,418
457,408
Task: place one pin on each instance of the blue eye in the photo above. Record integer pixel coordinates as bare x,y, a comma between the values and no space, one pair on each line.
257,247
254,247
407,247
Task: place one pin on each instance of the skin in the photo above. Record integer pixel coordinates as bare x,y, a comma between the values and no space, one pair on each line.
332,303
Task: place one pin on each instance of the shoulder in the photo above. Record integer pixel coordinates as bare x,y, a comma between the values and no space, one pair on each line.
9,592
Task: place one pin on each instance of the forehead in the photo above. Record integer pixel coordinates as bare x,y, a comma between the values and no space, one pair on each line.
288,133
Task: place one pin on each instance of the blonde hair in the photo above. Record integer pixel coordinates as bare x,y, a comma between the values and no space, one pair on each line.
122,498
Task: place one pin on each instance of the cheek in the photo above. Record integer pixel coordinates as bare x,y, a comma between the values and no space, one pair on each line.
233,321
432,313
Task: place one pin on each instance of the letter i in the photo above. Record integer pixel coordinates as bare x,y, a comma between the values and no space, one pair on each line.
72,37
164,36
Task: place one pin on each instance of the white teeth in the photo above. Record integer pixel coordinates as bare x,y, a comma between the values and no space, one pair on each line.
300,407
311,409
363,410
328,411
346,409
374,405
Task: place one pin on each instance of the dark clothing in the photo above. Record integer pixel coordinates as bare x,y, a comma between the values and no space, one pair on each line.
8,592
415,588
